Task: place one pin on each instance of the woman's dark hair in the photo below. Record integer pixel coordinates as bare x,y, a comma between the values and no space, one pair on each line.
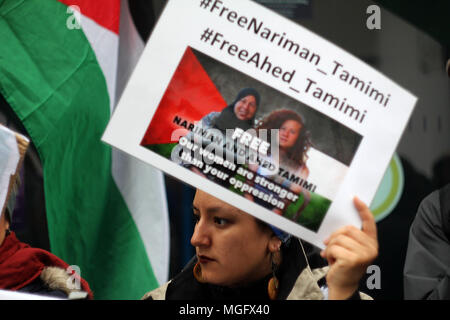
7,216
227,118
298,152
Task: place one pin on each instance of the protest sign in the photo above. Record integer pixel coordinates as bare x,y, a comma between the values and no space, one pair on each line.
262,113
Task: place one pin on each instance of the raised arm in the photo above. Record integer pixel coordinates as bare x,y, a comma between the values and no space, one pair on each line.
349,251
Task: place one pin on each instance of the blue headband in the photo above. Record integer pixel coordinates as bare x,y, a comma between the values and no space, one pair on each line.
283,236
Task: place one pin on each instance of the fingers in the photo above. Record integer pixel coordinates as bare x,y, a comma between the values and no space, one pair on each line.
353,233
353,240
336,253
344,241
349,251
368,221
362,242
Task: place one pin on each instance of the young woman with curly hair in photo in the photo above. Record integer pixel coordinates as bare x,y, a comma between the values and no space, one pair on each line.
293,145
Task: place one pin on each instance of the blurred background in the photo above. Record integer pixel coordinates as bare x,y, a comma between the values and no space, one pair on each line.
411,46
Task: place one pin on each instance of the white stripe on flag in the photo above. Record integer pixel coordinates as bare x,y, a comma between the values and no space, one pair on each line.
105,44
141,186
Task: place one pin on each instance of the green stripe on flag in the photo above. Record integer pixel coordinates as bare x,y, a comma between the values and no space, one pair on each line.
163,149
50,77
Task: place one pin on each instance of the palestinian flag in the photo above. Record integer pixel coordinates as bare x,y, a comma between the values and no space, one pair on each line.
106,212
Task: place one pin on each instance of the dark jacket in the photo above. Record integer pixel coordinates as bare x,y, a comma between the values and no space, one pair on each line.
427,265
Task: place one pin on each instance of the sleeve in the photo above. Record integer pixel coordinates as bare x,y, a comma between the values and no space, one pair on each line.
355,296
157,294
427,265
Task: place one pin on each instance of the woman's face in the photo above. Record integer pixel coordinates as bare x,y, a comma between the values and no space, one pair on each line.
232,248
245,108
289,132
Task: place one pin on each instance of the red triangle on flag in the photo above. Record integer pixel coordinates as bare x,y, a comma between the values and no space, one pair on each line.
104,12
191,95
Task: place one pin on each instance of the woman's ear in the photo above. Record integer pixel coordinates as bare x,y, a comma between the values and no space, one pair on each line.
274,244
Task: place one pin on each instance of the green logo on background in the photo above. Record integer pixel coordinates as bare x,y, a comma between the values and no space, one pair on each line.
389,191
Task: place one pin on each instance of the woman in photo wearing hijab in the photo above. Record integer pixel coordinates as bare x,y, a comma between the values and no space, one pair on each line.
239,114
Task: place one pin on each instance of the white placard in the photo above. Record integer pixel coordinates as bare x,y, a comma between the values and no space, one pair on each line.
16,295
202,54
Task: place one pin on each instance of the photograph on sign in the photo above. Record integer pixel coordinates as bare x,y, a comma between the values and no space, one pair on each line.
295,176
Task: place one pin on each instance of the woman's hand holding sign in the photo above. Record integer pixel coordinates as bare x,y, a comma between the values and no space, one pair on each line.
349,252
